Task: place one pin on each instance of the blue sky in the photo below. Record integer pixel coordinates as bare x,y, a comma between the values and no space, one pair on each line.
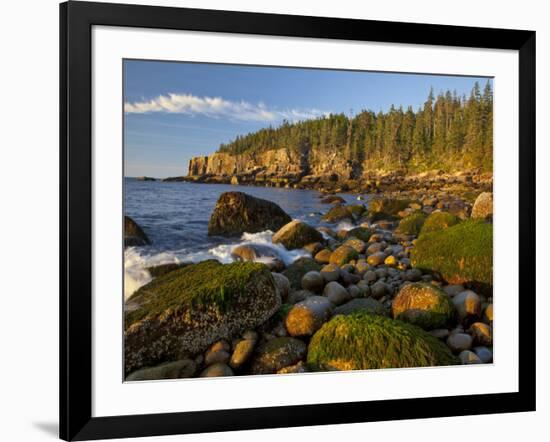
174,111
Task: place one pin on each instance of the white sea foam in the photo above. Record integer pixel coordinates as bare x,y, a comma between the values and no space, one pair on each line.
137,260
344,225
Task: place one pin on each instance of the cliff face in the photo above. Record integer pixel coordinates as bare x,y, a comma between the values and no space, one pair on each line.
278,164
322,169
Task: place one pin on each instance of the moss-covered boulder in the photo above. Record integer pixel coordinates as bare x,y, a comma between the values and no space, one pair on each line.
277,353
295,271
424,305
357,305
238,212
163,269
411,224
342,255
338,213
462,254
362,341
182,312
386,208
296,234
439,221
134,234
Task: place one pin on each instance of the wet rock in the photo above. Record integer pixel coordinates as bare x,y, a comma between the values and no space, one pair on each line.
343,255
283,285
306,317
134,234
336,293
216,370
378,289
237,212
468,357
259,253
468,305
484,353
323,257
313,281
330,272
276,354
376,258
356,244
184,368
295,271
185,311
241,354
423,305
300,367
370,276
458,342
482,333
296,234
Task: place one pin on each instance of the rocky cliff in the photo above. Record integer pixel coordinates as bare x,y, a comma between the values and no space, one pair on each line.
278,165
323,169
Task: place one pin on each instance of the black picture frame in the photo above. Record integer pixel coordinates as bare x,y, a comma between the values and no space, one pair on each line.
76,21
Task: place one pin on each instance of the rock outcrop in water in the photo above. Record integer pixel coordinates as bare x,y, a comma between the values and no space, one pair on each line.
238,212
134,234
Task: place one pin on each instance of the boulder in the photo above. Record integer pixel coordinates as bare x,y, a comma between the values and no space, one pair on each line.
368,305
458,342
306,317
243,351
259,253
184,368
237,212
386,207
295,271
296,234
330,272
468,357
313,281
336,293
376,258
483,206
468,306
276,354
424,305
362,233
186,310
216,370
411,224
283,285
134,234
343,254
323,257
336,214
484,353
361,341
461,254
357,244
439,221
482,333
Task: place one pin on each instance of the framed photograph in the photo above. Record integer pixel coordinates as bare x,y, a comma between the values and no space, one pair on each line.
273,220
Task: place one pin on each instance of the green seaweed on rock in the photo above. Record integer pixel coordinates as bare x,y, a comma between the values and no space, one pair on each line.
362,341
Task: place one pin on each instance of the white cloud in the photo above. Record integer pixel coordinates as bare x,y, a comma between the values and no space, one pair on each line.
217,107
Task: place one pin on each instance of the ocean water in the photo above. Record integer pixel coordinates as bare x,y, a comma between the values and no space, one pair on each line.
175,215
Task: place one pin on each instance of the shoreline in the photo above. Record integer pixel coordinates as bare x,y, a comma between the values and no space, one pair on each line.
377,273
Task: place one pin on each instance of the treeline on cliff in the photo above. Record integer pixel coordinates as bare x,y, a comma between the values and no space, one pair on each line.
449,132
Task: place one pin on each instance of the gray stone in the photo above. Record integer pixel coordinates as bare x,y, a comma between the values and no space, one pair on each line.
216,370
313,281
336,293
458,342
184,368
